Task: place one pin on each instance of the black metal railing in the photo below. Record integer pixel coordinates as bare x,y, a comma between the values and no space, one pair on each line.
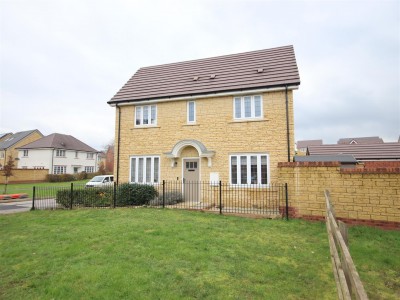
219,197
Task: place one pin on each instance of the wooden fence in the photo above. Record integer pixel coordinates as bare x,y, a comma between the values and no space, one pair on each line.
348,283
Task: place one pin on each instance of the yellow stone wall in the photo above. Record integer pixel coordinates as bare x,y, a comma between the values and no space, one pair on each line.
25,175
362,196
215,127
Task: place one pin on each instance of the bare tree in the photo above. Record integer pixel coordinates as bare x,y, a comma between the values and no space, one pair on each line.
109,156
7,171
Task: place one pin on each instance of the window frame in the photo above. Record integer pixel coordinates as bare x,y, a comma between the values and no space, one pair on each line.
188,112
89,167
60,169
141,109
60,151
144,169
90,155
25,153
243,108
249,170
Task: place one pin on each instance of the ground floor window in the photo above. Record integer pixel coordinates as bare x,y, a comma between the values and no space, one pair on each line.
89,169
59,169
248,169
145,169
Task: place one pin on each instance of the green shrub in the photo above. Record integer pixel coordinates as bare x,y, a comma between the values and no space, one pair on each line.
60,177
86,197
135,194
81,176
170,198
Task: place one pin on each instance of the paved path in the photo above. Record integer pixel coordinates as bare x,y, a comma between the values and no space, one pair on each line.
15,207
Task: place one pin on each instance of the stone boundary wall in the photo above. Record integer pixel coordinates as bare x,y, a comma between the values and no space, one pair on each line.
368,194
25,175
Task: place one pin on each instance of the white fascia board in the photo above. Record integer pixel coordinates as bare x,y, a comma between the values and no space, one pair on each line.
234,93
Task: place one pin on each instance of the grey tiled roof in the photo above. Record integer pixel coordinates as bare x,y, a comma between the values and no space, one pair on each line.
361,140
306,143
59,141
324,158
267,68
388,151
15,138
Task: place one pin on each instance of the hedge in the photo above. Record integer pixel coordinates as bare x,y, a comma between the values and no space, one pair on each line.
86,197
135,194
127,194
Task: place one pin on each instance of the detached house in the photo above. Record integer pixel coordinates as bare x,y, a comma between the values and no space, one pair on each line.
9,143
226,118
60,153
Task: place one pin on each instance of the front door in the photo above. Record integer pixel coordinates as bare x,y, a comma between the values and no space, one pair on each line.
191,177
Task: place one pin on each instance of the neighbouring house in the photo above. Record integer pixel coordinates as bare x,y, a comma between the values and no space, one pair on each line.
227,118
360,140
362,152
301,146
4,136
60,153
10,142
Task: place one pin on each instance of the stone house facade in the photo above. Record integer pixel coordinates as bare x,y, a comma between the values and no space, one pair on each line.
227,118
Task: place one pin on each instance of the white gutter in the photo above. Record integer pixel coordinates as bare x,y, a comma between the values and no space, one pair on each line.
233,93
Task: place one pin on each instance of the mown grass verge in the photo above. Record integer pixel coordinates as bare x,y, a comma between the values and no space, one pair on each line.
27,188
167,254
160,254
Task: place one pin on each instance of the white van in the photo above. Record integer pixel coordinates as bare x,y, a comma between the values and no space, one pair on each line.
100,181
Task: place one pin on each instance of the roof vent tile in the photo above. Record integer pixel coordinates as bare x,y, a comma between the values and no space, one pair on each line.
260,70
195,78
212,76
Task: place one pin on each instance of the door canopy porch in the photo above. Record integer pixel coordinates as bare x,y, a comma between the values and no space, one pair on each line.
201,149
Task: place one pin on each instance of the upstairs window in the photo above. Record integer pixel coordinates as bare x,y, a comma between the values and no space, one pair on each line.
247,107
146,115
89,156
26,152
191,112
60,153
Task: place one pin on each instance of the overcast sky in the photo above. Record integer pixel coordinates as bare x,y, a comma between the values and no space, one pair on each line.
61,61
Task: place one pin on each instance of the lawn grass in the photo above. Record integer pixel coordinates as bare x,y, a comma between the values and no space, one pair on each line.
27,188
376,254
172,254
161,254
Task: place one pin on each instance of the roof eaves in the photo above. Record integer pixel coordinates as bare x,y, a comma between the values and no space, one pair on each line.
291,85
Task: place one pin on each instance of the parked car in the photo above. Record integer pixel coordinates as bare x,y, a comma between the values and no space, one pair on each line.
100,181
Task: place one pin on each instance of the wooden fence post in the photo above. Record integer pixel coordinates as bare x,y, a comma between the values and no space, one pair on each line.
348,281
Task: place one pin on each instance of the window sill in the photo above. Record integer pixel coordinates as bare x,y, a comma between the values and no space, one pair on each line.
248,120
145,127
250,186
191,124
